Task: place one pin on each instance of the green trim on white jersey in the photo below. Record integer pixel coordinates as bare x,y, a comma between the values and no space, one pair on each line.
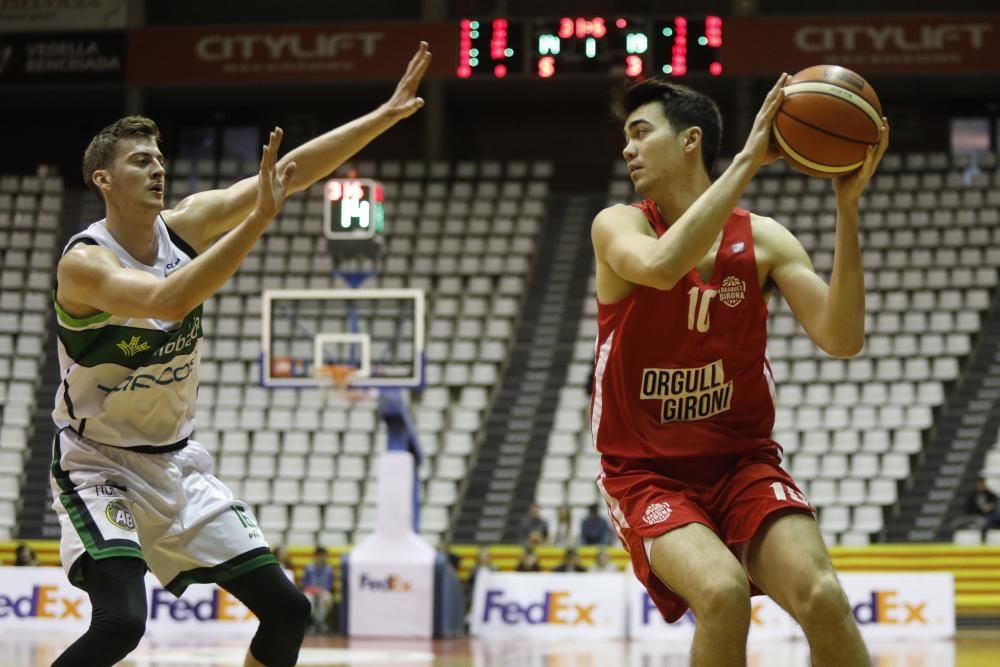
129,381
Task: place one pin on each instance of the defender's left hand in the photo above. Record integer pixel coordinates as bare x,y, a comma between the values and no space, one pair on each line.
404,101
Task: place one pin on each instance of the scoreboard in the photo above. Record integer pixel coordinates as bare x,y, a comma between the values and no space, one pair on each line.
568,46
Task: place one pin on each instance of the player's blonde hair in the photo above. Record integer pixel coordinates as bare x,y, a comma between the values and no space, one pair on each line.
101,151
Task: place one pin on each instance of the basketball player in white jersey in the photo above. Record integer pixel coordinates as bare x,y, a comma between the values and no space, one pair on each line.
132,490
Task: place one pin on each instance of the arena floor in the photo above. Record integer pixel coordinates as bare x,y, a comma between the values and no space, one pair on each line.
971,648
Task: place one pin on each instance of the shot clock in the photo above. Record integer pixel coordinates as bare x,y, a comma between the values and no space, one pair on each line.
353,209
353,217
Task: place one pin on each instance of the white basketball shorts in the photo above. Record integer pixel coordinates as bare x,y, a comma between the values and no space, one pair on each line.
168,509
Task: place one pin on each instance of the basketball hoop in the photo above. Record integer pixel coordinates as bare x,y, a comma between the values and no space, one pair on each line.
336,381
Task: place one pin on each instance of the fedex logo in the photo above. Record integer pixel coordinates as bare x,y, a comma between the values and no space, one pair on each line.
392,583
554,609
651,614
42,603
885,607
220,606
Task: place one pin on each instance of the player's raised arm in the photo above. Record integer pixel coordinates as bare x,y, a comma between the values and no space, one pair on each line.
91,279
691,236
834,315
662,262
201,218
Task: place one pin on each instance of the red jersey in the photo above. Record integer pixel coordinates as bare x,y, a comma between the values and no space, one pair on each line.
684,372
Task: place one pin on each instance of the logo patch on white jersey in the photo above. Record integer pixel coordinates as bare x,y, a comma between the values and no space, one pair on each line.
656,513
732,291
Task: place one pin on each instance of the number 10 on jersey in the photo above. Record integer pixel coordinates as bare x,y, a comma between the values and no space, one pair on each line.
698,302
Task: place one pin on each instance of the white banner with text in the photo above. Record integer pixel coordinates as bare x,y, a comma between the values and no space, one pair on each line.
886,606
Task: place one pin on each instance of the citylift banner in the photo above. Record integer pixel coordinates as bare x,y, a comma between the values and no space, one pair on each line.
870,44
287,54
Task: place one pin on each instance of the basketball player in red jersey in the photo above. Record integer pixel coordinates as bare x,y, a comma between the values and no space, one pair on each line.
683,403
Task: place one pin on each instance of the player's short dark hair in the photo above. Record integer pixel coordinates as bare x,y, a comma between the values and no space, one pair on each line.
684,107
101,151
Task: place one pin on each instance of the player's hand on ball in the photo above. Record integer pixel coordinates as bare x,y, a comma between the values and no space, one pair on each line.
272,183
759,146
850,186
404,101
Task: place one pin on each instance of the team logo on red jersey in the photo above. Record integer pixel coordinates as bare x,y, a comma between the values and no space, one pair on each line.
688,394
656,513
732,291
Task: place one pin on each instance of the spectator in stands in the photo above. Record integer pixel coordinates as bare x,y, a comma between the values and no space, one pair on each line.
25,556
529,561
317,584
483,562
563,536
593,528
571,562
280,554
981,506
535,539
603,563
534,522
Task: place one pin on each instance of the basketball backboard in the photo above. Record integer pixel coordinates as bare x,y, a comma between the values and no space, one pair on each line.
377,332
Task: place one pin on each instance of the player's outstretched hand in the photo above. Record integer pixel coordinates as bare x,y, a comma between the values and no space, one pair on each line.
404,101
760,144
272,183
850,186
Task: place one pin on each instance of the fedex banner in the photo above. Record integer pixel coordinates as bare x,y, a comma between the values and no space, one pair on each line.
516,604
390,589
768,621
41,599
902,606
886,606
394,599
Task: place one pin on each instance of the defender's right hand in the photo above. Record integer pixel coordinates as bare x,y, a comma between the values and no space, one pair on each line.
272,187
759,147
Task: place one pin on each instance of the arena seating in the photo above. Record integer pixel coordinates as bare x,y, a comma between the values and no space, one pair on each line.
850,428
30,207
465,232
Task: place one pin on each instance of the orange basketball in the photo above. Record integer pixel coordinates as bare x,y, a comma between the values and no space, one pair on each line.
829,117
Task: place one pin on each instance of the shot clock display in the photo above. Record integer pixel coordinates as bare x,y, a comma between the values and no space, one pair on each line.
353,209
590,45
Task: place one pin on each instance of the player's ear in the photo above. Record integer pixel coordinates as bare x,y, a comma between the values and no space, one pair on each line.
692,139
102,179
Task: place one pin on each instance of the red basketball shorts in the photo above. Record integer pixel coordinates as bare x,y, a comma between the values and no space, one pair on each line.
731,496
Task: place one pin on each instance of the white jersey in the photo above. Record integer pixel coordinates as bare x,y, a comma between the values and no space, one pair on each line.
129,382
